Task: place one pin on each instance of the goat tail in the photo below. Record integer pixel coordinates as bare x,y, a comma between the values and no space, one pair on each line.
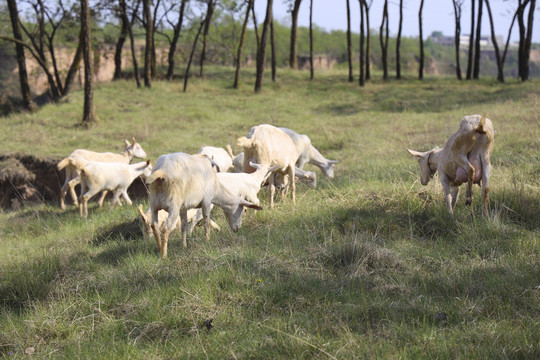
244,142
155,175
481,124
229,150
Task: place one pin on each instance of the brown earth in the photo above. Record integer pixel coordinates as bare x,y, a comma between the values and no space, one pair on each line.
26,179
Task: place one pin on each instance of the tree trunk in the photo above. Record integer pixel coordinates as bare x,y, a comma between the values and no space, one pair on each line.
273,48
293,58
88,112
368,41
470,55
255,26
477,51
186,75
26,96
75,66
384,40
421,36
209,13
527,43
311,70
118,50
398,41
500,74
261,53
457,18
362,34
176,36
147,14
241,44
349,42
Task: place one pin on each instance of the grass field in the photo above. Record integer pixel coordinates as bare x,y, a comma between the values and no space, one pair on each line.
369,265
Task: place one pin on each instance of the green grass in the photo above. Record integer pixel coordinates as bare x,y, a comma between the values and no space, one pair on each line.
359,268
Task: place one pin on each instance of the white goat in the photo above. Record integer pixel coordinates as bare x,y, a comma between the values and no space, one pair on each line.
464,158
193,217
180,182
80,157
104,176
267,145
246,185
220,157
307,153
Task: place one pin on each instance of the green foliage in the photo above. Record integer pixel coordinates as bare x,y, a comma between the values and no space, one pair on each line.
368,265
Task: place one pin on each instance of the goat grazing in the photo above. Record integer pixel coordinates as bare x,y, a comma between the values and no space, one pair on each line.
464,158
79,157
104,176
219,157
267,145
180,182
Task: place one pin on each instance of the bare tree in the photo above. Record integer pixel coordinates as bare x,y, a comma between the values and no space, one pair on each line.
177,28
362,35
119,47
398,41
186,75
124,14
273,51
383,39
147,16
477,51
421,38
470,55
261,53
349,42
249,4
26,96
311,70
500,75
255,25
89,117
458,4
367,6
208,19
525,37
294,8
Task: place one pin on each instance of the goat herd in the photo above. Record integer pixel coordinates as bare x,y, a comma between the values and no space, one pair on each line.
184,188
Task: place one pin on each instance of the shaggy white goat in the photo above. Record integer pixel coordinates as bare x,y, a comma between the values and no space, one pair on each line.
307,153
180,182
193,217
464,158
220,157
246,185
267,145
104,176
80,157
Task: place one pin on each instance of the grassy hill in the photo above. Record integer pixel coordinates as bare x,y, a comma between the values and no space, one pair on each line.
368,265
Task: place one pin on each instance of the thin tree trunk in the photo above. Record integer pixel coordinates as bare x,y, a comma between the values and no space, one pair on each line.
477,51
500,75
457,18
384,40
241,44
255,26
528,41
273,48
89,117
153,62
75,66
147,14
422,55
176,36
118,50
293,58
186,75
123,12
261,53
398,41
368,42
349,42
311,70
362,34
470,55
26,96
209,13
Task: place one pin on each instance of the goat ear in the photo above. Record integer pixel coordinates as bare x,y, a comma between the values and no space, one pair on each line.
273,168
247,204
127,143
333,161
148,162
254,165
134,141
416,153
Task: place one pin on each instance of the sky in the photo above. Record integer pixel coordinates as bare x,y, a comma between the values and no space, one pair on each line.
438,15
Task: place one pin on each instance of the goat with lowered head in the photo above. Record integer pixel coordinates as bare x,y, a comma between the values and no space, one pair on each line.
465,158
180,182
79,157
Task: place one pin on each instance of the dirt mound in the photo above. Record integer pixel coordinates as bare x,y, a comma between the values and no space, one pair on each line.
30,179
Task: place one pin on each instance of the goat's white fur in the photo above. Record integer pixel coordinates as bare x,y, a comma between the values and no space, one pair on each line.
220,157
464,158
